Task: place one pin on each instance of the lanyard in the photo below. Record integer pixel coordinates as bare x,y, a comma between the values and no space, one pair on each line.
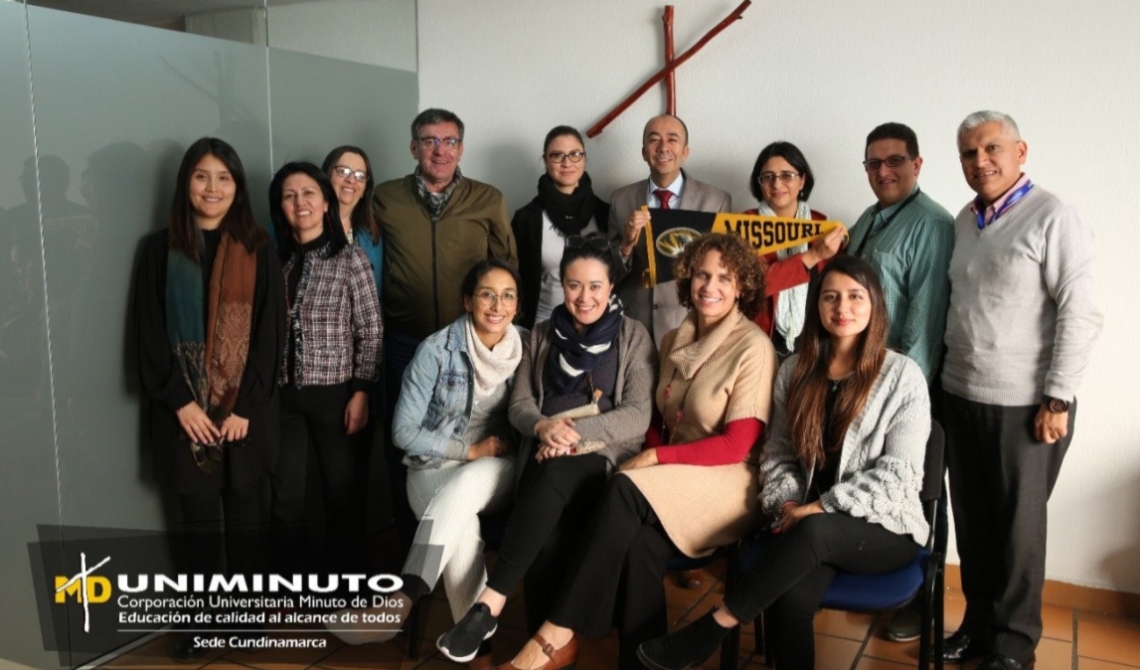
886,222
980,208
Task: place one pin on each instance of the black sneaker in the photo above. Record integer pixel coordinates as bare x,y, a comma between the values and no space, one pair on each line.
461,643
687,648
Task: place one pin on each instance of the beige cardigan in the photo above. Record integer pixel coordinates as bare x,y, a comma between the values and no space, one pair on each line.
725,376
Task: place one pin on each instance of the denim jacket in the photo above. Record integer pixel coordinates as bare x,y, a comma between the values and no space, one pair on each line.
435,399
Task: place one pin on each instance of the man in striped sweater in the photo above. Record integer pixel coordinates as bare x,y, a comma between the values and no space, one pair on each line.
1021,326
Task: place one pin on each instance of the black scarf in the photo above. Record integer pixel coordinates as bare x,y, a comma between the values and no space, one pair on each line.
569,213
573,354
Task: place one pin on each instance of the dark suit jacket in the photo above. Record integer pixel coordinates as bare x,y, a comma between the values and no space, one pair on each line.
658,309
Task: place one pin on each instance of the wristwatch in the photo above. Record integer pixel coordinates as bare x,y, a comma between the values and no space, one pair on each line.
1056,405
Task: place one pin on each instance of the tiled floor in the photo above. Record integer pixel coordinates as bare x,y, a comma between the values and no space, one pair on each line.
1072,641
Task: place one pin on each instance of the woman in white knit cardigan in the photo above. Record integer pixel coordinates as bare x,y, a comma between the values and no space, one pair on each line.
841,473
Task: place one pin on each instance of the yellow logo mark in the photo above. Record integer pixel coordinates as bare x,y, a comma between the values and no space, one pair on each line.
98,589
672,242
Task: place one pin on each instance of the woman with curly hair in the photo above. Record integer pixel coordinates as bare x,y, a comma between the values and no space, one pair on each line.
691,489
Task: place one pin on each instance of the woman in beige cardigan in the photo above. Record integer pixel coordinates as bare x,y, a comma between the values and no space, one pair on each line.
690,489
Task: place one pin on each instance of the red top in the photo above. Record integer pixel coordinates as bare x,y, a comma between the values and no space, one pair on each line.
731,446
780,276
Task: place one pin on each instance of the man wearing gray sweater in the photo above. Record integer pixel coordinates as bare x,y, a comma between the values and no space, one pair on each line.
1021,326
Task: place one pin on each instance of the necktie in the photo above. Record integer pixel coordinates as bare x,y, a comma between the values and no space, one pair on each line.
663,195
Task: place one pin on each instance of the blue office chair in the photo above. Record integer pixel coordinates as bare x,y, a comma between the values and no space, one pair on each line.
923,578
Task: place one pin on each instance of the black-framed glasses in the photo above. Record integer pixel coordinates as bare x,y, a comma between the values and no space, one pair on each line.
771,177
344,172
873,164
593,241
488,298
429,143
575,156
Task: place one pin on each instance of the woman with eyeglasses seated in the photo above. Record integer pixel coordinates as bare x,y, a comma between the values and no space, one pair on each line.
782,181
691,489
841,473
211,283
565,206
451,420
582,404
332,361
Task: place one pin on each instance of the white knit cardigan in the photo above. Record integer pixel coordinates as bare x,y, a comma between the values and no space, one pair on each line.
881,465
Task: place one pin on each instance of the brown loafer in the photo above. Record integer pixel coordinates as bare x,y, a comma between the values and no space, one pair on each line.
556,659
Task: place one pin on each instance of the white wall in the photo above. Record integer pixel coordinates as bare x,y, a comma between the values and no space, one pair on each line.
822,74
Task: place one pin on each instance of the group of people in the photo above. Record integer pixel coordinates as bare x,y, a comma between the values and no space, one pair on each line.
529,373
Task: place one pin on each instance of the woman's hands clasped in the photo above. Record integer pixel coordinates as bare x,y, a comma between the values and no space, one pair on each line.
557,437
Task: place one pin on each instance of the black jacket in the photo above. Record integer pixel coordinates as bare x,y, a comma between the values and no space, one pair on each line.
163,382
528,229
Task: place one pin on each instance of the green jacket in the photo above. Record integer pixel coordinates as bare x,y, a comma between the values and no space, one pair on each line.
424,264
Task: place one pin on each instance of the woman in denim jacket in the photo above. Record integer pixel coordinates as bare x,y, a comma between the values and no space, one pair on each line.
451,420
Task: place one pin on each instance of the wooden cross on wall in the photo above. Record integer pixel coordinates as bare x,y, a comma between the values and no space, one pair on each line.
667,72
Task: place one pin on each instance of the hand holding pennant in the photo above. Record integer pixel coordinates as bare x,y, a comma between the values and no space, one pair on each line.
670,230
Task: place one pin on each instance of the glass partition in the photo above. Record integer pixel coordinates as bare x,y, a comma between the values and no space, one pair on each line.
85,173
29,488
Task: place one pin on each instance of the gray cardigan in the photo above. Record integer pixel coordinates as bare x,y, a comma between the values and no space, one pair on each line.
623,427
883,457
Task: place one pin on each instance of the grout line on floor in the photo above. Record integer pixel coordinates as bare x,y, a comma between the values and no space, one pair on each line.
1076,653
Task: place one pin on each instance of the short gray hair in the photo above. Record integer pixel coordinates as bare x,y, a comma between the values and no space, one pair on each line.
986,116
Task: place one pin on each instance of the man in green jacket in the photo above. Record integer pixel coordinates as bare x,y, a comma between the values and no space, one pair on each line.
437,224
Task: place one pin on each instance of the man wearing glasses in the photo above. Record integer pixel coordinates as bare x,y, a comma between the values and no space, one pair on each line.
437,225
908,238
665,147
1022,323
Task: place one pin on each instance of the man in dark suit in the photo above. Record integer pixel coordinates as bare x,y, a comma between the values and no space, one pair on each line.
665,147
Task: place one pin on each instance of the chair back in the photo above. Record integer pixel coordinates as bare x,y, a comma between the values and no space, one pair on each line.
933,472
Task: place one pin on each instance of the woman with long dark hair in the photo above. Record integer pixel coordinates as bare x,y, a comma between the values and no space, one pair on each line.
332,359
209,313
565,206
350,173
841,473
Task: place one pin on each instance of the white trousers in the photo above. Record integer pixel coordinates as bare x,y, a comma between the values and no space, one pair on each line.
447,500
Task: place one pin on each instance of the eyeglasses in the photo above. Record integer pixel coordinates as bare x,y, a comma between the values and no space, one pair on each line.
873,164
488,298
575,156
593,241
344,172
771,177
429,143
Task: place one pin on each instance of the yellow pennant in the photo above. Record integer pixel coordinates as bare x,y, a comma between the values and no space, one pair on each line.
765,234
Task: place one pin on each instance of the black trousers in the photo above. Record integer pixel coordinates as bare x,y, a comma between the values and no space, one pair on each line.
617,576
791,577
230,518
317,414
399,349
1000,482
547,523
232,514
